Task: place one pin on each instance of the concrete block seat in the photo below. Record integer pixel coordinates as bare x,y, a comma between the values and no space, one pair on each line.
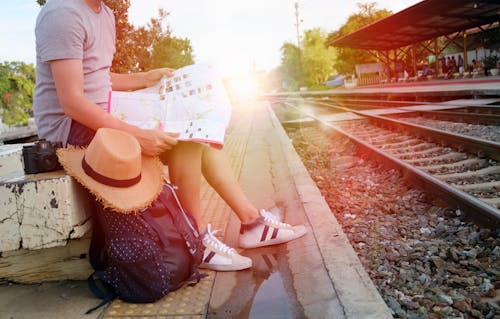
37,212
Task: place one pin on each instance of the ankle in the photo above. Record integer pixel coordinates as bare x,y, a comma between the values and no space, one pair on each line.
250,225
247,215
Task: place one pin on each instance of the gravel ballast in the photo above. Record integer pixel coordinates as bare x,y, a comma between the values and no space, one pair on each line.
426,260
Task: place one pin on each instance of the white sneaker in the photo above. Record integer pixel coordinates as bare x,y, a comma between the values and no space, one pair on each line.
220,257
268,230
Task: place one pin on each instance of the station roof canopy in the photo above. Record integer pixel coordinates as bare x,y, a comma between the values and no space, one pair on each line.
423,21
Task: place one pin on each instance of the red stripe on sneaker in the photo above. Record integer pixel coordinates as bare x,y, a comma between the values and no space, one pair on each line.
264,233
275,233
209,257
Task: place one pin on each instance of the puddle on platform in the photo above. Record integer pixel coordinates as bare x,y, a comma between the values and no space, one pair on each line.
271,300
265,290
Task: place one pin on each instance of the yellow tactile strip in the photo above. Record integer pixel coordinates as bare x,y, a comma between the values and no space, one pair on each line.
192,302
187,301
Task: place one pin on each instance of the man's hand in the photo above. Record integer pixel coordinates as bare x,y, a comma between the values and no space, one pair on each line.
155,142
153,76
140,80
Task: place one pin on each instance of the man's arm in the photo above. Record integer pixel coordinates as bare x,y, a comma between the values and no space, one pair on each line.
140,80
68,78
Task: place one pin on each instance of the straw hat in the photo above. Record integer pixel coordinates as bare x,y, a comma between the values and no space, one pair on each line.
114,170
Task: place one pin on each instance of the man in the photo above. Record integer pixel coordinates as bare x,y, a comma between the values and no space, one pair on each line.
75,43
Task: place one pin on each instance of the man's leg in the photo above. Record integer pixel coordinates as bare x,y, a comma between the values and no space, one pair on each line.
184,166
184,169
218,173
258,228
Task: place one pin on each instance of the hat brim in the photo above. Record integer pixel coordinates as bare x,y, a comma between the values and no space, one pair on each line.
121,199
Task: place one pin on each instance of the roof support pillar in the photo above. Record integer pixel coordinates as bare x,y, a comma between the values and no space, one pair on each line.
395,55
414,60
466,65
436,54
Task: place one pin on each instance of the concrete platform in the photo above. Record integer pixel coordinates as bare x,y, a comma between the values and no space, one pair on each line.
434,89
317,276
484,85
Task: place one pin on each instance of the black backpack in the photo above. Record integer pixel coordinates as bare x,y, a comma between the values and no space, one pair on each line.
140,257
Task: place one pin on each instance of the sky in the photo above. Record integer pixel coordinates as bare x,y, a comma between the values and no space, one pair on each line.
238,36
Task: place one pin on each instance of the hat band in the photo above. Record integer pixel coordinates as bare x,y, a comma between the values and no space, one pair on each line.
107,180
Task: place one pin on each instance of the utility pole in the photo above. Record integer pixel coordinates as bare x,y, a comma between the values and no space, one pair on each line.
297,23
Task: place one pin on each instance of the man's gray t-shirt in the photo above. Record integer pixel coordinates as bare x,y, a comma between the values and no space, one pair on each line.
69,29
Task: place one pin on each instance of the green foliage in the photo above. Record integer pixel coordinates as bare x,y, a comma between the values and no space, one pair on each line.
290,65
490,37
309,66
17,83
317,59
172,52
490,61
146,47
347,58
124,55
318,87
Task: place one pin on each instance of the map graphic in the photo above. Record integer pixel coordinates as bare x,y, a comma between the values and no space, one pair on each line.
193,102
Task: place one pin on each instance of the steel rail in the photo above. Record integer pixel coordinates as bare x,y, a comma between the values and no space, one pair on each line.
488,113
464,117
492,106
474,145
460,199
491,118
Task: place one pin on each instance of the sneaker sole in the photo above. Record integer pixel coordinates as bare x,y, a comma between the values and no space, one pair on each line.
273,241
224,267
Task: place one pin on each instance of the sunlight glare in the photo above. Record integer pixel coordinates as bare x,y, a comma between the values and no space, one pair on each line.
243,88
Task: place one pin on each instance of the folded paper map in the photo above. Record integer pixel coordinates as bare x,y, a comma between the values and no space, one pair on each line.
193,102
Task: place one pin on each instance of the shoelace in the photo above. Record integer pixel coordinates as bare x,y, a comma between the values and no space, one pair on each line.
214,241
270,218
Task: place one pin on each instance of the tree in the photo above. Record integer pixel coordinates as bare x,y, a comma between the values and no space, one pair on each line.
347,58
123,60
317,58
310,66
290,65
171,52
158,48
17,83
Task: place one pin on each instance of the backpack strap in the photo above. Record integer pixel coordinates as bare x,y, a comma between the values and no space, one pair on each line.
96,250
105,296
184,223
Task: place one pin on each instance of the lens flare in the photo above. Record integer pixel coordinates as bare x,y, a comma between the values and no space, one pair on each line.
243,88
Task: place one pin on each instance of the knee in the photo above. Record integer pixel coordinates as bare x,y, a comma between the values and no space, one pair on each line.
182,151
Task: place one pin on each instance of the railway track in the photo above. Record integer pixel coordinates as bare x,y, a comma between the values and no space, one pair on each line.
472,114
463,170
